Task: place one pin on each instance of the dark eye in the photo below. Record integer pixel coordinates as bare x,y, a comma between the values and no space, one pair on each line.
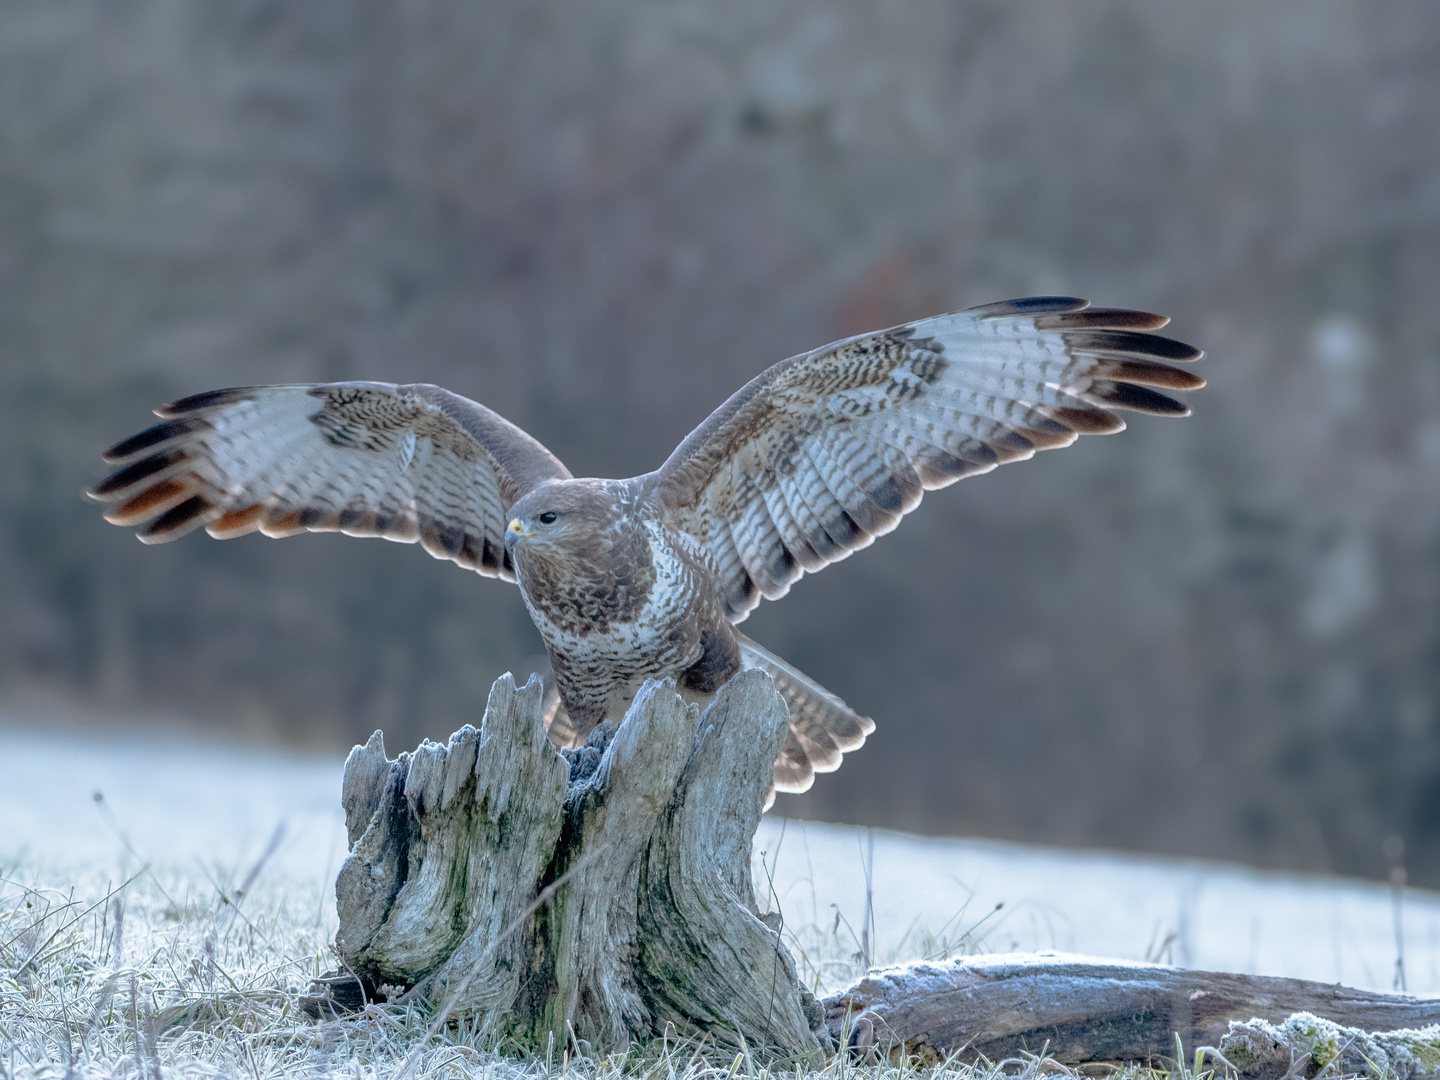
547,518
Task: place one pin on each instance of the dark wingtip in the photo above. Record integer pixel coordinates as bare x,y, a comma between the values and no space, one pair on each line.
1102,319
177,521
1130,343
1140,398
208,400
153,436
132,474
1031,305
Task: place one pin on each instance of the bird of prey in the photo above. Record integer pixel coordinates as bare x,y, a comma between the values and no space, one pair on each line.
648,577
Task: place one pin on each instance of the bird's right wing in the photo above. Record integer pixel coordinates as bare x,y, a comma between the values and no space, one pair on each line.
408,463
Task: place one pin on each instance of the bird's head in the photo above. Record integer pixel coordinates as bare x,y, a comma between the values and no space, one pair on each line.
561,515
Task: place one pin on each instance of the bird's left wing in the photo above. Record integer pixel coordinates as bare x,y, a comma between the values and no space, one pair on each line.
823,452
408,463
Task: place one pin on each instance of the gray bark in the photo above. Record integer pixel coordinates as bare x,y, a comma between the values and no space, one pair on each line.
602,894
1082,1010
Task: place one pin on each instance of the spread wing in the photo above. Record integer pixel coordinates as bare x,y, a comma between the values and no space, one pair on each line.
823,452
367,459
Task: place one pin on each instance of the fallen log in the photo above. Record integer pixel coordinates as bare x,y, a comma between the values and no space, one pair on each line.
1081,1010
597,895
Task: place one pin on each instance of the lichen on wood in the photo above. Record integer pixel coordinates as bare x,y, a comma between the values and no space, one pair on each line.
602,894
1306,1044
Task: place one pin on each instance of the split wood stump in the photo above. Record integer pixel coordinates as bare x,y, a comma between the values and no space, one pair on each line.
600,894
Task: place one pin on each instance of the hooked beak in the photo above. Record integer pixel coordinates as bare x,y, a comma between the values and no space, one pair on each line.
515,531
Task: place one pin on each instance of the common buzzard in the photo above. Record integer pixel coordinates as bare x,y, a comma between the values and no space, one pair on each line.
647,577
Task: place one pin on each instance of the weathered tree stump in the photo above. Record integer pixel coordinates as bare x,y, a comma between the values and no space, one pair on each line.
602,894
1080,1010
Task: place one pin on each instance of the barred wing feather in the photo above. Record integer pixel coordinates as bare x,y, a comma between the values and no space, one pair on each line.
407,463
822,453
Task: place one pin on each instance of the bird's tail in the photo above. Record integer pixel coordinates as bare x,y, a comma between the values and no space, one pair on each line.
822,727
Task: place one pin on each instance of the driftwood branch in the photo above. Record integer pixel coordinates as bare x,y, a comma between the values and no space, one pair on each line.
1083,1010
602,894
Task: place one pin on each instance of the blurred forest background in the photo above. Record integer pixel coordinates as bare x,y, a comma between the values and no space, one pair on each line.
1217,636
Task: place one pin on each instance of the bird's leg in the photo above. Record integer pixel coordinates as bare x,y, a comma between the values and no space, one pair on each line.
718,663
583,718
569,719
558,726
623,697
702,698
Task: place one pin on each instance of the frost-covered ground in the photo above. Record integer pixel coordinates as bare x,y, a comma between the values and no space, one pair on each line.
184,805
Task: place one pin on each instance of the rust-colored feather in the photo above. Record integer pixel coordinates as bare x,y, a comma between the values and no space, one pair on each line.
151,501
236,522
